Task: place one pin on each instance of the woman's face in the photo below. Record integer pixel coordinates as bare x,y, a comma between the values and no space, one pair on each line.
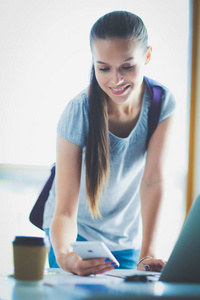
119,65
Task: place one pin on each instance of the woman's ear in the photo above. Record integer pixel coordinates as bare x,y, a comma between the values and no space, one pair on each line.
148,55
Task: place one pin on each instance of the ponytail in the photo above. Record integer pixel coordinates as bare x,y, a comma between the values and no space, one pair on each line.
117,24
97,148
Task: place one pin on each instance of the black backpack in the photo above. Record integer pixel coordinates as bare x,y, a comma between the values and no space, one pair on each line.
36,214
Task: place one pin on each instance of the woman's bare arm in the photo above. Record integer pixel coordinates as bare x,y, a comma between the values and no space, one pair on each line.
63,228
152,193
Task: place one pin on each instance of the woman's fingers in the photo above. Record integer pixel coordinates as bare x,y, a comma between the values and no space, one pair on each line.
85,267
94,266
152,264
95,271
156,265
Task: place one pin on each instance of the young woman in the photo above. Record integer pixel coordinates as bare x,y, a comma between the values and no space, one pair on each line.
108,186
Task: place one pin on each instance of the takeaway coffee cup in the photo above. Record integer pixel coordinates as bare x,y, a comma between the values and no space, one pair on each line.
29,257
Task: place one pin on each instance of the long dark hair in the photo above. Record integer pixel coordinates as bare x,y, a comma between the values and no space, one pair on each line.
117,24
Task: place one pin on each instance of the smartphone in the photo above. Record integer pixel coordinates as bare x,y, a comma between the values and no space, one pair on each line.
95,249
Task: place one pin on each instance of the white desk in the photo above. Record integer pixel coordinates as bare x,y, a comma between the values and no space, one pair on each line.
58,286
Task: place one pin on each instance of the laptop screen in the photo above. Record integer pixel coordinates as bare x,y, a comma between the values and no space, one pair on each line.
184,262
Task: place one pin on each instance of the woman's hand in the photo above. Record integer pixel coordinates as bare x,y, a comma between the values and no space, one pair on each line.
73,263
151,264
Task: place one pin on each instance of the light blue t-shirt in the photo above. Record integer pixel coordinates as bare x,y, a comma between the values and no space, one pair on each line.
120,227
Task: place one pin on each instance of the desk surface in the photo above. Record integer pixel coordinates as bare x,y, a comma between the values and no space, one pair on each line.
61,285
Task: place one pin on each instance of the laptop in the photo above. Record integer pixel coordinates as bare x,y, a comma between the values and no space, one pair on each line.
183,265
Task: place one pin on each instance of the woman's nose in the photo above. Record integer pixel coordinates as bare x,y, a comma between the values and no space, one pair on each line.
117,78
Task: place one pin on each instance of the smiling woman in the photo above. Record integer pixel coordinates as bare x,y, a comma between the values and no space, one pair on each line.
123,68
119,66
43,68
109,185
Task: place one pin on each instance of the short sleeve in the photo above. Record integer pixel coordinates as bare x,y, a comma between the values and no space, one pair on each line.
168,105
73,124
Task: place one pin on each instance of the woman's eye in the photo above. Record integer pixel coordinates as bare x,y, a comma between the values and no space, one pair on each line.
104,69
128,67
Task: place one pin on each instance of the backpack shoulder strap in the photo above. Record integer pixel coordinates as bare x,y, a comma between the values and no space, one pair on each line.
36,214
155,107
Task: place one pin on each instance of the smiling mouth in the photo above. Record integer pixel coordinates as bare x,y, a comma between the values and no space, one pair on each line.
119,91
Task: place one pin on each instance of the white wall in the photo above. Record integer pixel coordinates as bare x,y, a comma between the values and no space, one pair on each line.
45,60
